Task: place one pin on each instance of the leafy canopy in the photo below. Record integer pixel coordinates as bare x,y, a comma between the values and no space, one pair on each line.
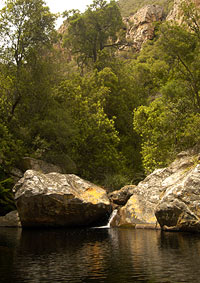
92,31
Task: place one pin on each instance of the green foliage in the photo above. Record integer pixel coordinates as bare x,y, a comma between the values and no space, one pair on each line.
6,197
92,31
83,121
170,122
114,182
25,26
10,149
94,148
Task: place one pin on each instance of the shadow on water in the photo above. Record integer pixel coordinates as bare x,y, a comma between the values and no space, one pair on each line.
98,255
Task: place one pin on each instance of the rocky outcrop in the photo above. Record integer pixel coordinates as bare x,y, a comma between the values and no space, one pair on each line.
121,196
140,26
11,219
169,197
179,208
54,200
140,208
176,14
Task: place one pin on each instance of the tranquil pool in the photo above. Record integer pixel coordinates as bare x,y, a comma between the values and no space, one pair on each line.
98,255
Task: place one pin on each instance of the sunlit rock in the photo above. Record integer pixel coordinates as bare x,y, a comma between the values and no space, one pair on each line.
169,197
140,208
59,200
179,208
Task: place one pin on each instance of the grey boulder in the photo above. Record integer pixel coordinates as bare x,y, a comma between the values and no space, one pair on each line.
59,200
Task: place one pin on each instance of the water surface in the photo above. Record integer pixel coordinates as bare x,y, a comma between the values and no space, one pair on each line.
98,255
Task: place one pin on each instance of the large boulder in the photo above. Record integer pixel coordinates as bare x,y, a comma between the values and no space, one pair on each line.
59,200
179,208
140,208
169,197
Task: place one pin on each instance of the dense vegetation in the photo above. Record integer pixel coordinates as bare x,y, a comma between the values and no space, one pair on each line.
71,100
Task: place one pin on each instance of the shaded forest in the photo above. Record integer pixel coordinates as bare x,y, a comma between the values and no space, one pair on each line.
71,99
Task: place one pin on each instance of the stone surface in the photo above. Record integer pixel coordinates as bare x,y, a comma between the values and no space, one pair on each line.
11,219
169,197
179,208
120,197
59,200
176,14
140,208
140,26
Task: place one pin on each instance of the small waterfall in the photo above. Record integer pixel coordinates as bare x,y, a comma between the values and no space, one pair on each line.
109,220
111,217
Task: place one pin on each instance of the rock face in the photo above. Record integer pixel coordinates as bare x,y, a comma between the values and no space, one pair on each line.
140,26
54,200
140,208
179,208
176,14
11,219
169,197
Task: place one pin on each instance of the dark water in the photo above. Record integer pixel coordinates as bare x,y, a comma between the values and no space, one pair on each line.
98,255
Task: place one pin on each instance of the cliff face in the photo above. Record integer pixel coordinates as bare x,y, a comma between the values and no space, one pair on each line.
140,26
176,15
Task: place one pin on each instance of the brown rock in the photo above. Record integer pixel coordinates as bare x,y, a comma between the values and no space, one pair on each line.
120,197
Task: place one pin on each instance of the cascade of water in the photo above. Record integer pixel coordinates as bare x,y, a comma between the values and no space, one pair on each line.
111,217
109,220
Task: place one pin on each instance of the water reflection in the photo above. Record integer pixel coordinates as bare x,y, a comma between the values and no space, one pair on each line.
98,255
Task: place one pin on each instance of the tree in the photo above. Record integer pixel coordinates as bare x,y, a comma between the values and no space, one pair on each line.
170,122
181,49
94,148
26,26
91,32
